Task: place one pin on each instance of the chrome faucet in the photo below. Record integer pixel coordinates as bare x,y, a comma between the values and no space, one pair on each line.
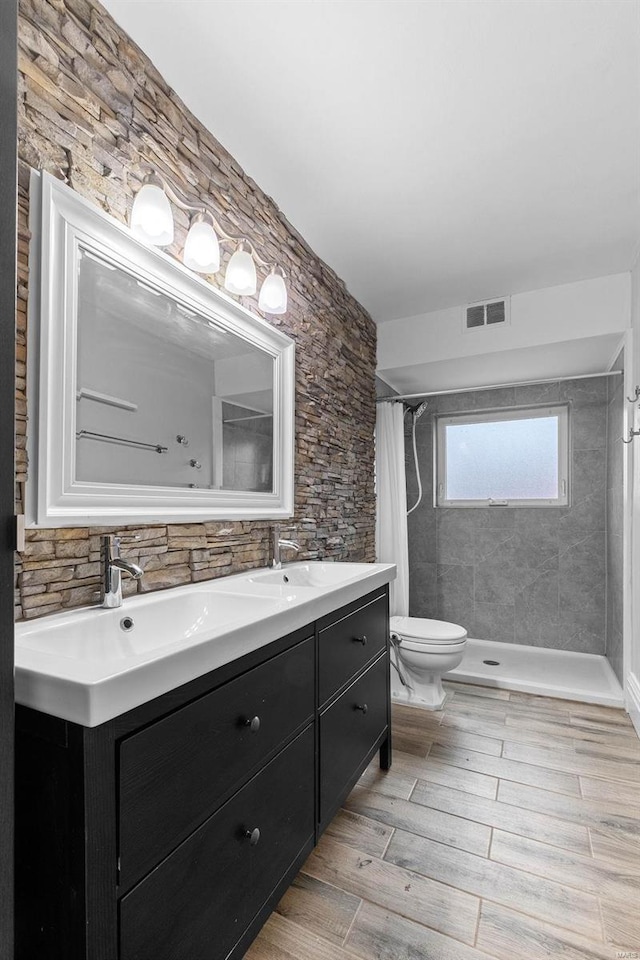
112,567
278,542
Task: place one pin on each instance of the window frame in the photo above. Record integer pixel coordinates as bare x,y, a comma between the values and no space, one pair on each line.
493,415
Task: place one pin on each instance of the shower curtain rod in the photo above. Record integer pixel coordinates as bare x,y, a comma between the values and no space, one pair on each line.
495,386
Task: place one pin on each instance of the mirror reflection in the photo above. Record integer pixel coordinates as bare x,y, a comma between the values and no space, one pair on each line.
165,397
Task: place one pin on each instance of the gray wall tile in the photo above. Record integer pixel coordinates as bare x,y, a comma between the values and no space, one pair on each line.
614,495
529,575
538,393
585,390
454,589
496,620
495,577
589,426
423,598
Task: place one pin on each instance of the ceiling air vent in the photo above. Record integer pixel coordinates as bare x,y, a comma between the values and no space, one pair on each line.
486,314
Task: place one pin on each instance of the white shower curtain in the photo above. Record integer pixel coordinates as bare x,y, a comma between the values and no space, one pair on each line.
391,510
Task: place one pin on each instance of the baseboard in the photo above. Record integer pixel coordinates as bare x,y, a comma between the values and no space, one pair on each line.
633,700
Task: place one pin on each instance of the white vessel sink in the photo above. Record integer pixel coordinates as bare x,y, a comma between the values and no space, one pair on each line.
91,665
313,574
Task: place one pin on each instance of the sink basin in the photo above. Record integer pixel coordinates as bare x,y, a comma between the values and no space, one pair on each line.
91,665
143,627
313,574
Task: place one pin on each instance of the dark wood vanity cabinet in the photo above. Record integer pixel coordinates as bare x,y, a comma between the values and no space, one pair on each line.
171,832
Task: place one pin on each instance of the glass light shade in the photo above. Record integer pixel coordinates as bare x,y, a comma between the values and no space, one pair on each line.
241,277
273,294
201,249
151,217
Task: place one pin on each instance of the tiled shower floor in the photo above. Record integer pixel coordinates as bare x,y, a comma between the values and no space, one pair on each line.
553,673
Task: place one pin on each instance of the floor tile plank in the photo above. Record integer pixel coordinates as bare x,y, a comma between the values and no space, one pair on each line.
595,710
378,934
434,770
391,782
369,836
615,848
413,730
414,818
559,758
460,777
510,935
475,690
616,817
626,747
507,769
610,749
504,816
519,730
450,911
622,726
595,789
622,923
493,710
597,877
281,939
542,898
319,908
450,737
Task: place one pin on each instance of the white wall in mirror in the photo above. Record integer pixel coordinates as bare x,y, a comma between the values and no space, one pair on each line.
158,398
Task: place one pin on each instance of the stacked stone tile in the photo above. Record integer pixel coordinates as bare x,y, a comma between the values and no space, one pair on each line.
94,111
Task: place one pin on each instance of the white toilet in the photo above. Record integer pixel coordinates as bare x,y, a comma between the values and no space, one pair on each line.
427,649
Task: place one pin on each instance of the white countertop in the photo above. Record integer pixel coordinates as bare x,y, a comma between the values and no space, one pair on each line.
84,667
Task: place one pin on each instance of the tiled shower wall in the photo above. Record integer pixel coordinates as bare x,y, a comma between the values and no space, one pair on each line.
615,461
519,575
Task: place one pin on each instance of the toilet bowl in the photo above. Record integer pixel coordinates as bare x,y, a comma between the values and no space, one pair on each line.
425,650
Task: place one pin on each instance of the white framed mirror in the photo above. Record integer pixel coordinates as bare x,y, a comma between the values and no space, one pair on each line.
157,397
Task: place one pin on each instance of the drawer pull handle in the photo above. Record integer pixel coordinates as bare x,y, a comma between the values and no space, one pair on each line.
253,724
361,706
252,836
362,640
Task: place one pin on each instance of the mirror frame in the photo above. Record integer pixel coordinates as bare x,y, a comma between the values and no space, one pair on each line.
61,222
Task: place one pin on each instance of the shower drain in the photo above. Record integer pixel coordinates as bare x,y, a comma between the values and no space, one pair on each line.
492,663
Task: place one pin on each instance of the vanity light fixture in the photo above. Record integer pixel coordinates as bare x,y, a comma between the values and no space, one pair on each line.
241,276
201,249
151,216
273,293
152,221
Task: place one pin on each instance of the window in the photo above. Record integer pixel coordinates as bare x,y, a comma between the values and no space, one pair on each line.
517,457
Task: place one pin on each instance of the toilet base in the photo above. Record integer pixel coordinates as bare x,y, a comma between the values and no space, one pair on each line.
430,695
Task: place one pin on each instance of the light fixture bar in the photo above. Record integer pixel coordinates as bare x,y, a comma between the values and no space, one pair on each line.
222,235
152,221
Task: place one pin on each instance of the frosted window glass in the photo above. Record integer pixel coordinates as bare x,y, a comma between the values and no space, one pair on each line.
503,460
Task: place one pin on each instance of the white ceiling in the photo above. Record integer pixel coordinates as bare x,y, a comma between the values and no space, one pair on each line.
433,152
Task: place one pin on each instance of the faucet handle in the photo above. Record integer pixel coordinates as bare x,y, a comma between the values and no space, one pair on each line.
118,541
111,544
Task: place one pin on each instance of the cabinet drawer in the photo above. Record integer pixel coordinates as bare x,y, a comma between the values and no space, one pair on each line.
174,773
348,644
199,901
348,732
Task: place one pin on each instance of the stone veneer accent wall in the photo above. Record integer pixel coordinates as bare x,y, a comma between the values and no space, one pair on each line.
93,110
523,575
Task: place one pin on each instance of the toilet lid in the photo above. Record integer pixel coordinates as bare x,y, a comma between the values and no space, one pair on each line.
431,631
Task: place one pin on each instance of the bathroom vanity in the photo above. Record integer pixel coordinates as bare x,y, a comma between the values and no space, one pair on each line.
172,829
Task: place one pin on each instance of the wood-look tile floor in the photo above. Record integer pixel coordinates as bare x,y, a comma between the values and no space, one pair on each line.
507,828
